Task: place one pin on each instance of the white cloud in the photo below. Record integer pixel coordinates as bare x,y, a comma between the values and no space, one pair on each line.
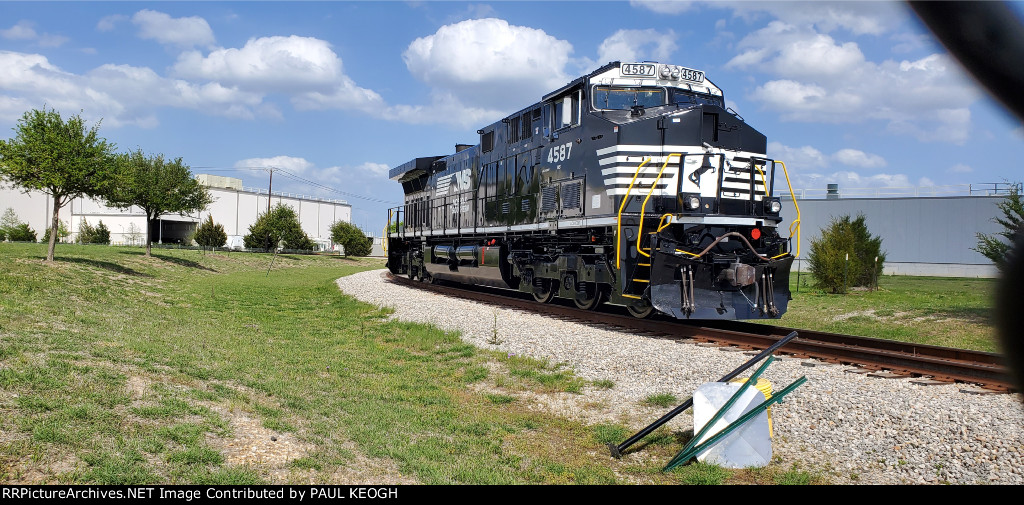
824,80
24,30
847,180
809,158
637,45
861,159
663,6
289,163
120,94
285,64
374,168
21,31
909,42
108,23
858,18
490,63
960,168
800,158
338,177
161,27
476,69
444,107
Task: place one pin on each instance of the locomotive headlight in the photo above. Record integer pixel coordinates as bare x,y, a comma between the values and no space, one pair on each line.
691,202
665,72
675,73
774,206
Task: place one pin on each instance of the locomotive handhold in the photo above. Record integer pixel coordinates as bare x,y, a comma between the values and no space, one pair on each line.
633,184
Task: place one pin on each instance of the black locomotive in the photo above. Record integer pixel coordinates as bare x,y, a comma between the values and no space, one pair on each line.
633,184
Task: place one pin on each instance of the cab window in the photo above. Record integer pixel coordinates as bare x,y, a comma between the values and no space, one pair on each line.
627,97
566,110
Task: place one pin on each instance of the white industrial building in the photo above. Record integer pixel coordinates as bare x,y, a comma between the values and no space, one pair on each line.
234,207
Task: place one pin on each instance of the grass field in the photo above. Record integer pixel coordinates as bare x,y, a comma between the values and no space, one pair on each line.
945,311
193,368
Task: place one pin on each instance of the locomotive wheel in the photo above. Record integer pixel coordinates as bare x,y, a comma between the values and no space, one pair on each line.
640,309
590,297
545,292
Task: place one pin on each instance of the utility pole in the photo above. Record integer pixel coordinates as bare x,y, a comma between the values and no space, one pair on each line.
270,187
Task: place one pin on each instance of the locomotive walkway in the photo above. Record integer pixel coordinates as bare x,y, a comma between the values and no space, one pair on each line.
882,358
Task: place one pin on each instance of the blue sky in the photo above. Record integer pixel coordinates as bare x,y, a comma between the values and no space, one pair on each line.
857,93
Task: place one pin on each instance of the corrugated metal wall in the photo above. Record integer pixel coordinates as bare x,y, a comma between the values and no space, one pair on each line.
921,236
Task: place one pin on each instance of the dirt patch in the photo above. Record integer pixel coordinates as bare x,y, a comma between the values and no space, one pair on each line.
856,313
251,444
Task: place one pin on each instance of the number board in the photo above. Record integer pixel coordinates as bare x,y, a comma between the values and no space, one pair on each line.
689,74
638,69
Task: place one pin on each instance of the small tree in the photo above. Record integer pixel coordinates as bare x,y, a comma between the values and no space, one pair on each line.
157,186
102,235
9,221
133,234
210,235
992,246
279,226
62,159
62,231
86,233
846,238
355,242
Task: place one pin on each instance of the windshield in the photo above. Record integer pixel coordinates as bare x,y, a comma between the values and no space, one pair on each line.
689,97
625,98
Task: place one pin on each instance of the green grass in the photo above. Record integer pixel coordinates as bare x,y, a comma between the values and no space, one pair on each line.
120,369
944,311
661,400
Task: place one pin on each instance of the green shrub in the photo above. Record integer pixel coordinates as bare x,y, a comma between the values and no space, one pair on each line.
355,242
11,228
87,234
846,238
281,227
210,235
102,234
21,233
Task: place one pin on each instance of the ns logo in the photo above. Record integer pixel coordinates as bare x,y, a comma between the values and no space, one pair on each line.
454,183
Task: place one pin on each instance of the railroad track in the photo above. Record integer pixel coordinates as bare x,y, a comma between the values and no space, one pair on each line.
883,358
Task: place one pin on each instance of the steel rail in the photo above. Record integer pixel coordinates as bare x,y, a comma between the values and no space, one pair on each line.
941,363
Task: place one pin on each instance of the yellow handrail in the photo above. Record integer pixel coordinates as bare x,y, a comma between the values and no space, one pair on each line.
796,222
618,221
662,224
764,182
643,208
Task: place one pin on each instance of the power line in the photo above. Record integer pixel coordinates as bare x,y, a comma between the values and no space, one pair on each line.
328,188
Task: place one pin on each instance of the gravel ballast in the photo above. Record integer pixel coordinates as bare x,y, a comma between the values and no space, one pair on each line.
850,427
